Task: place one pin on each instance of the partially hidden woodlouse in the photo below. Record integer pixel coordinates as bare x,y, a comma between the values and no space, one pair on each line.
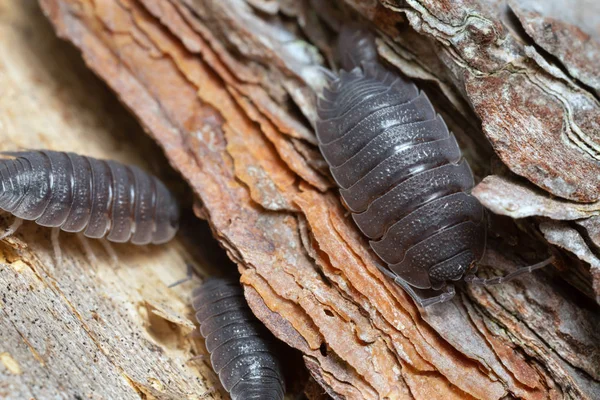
82,194
401,173
240,348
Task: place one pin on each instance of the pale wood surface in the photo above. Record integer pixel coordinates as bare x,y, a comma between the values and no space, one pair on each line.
85,329
225,87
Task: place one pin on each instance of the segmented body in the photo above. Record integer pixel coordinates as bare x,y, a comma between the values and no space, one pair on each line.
239,350
82,194
399,169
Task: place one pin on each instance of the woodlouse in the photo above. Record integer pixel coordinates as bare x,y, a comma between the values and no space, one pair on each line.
240,351
82,194
401,173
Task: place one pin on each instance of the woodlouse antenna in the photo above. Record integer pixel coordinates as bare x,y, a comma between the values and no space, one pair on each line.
474,280
189,274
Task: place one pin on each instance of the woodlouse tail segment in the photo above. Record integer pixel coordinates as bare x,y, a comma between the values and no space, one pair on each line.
318,77
474,280
356,48
328,74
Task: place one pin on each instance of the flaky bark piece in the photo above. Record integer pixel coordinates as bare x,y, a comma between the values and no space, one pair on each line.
300,255
90,326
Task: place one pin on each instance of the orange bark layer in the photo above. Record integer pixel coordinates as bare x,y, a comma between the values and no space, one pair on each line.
208,81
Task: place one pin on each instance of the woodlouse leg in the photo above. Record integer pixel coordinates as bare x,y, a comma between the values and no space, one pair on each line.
429,301
12,228
474,280
445,296
442,298
200,357
87,249
56,246
195,334
209,392
111,252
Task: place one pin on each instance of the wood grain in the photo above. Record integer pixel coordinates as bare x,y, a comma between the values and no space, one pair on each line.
224,87
86,328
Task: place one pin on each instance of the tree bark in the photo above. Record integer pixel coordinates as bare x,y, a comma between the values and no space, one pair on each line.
224,88
91,327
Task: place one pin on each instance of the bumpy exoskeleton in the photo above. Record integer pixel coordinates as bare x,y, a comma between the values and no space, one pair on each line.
240,347
400,172
82,194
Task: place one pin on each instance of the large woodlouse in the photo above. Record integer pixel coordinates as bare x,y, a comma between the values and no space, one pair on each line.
400,173
239,350
82,194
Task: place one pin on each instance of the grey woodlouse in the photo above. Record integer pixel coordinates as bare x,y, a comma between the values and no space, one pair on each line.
401,174
240,352
76,193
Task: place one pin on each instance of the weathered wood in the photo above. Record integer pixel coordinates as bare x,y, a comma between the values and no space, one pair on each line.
85,329
220,85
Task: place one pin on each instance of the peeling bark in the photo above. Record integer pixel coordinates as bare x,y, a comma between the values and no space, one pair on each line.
89,327
223,87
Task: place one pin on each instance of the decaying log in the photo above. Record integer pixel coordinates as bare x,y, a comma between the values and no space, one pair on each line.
87,328
223,87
